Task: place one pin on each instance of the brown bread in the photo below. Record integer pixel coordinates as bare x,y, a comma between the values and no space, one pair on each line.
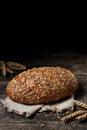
42,85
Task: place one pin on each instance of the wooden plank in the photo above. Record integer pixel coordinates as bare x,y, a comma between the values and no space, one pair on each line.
53,60
81,93
79,69
42,126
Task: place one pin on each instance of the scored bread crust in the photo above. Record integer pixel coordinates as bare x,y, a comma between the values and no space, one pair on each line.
42,85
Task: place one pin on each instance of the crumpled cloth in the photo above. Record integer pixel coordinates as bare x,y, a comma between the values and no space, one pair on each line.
28,110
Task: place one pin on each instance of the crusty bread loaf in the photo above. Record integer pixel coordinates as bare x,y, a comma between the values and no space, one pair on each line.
42,85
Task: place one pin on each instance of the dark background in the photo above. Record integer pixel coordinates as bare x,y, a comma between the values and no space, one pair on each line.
22,40
27,33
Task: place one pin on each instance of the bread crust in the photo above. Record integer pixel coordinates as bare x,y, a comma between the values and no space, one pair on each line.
42,85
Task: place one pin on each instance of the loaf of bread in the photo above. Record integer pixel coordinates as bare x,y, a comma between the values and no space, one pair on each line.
42,85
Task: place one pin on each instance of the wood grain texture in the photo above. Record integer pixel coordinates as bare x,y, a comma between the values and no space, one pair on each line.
47,121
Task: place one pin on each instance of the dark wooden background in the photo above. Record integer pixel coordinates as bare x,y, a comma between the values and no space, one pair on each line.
68,56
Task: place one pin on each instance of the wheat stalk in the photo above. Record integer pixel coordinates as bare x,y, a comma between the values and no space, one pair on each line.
80,104
72,115
82,117
3,68
15,66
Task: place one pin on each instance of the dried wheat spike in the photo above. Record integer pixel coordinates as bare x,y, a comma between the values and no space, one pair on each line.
72,115
15,66
9,70
80,104
3,67
82,117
